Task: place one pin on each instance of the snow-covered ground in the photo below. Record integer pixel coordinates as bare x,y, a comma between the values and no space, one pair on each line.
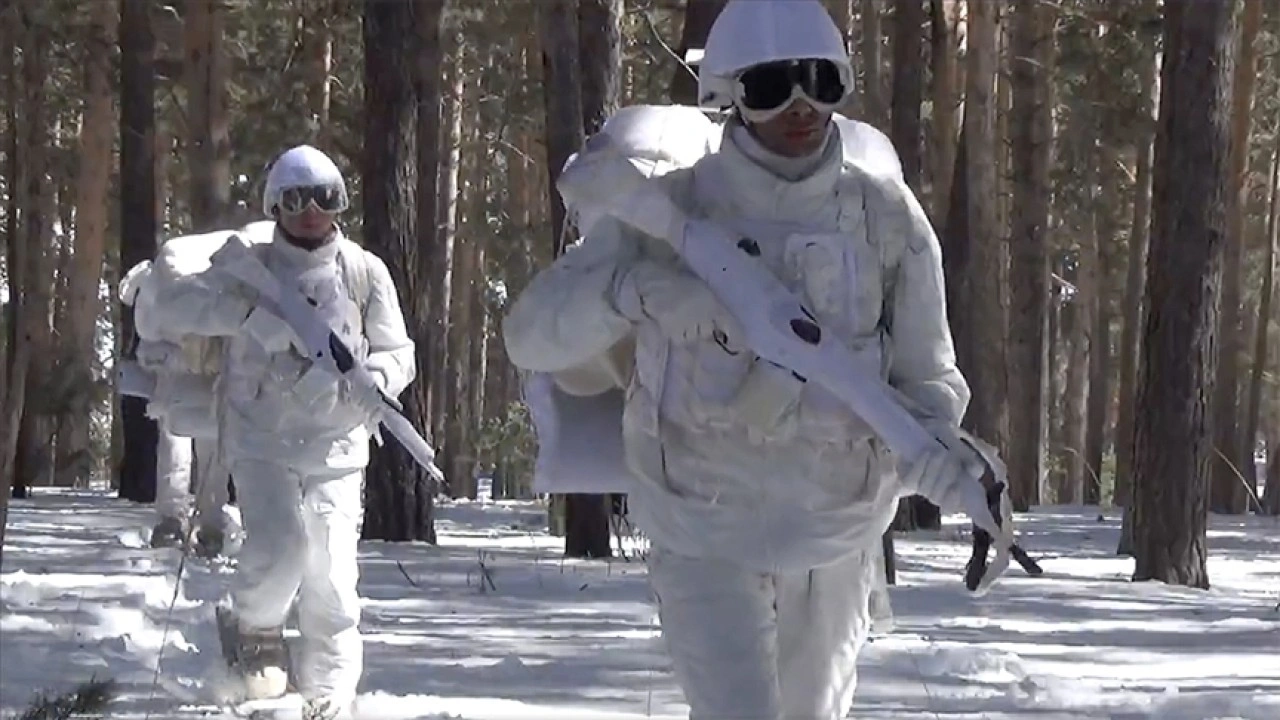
83,596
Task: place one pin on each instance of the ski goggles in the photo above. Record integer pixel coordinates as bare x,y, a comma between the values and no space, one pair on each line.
326,198
762,92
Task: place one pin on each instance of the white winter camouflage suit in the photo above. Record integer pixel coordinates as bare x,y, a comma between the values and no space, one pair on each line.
297,444
764,538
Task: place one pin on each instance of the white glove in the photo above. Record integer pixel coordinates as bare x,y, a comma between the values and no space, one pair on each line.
683,307
371,401
272,332
951,478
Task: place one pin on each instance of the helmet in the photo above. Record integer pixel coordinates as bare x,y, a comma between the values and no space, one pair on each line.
307,169
754,32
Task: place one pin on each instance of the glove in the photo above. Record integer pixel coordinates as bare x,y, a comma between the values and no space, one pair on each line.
952,478
682,306
370,401
272,332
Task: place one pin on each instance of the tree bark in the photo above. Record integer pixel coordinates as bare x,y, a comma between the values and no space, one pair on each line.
447,234
945,37
1139,238
429,303
558,27
1266,305
600,60
138,179
988,413
83,305
1031,125
1173,434
43,138
874,108
1227,492
398,493
318,66
908,87
208,137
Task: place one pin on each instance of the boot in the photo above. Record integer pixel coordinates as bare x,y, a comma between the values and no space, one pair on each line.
258,657
169,532
209,541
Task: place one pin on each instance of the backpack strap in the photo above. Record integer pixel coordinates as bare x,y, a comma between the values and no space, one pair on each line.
887,216
353,261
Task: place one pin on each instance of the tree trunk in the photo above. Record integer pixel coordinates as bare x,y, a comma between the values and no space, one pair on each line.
908,87
459,456
208,138
945,40
600,64
1031,122
83,305
1265,310
558,27
447,234
43,136
988,413
429,305
874,108
600,60
1075,346
1139,237
1096,322
1098,400
908,90
1227,492
1271,503
398,493
18,31
318,66
138,205
1173,434
699,15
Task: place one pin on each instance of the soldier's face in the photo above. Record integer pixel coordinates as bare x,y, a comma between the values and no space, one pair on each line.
797,131
311,223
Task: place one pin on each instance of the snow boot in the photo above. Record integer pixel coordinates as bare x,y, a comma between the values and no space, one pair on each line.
258,657
209,541
170,532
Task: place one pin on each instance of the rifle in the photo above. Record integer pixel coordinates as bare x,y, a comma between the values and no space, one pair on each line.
776,325
325,348
976,568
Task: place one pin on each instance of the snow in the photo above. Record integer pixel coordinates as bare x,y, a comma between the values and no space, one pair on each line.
494,624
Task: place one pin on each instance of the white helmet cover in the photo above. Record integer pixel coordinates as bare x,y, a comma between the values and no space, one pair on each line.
302,166
754,32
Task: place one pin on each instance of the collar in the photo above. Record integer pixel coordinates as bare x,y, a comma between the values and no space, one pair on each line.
301,257
791,169
744,188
